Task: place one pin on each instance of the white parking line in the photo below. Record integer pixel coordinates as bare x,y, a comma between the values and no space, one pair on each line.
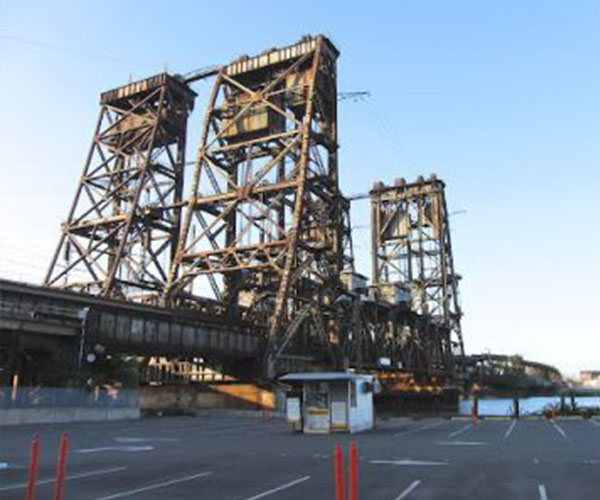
510,429
127,449
408,490
422,428
595,422
70,477
144,439
460,431
279,488
559,430
461,443
542,490
155,486
407,461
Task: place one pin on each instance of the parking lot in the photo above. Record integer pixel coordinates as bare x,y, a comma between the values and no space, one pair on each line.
241,458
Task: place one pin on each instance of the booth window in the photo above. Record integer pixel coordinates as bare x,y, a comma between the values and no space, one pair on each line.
353,394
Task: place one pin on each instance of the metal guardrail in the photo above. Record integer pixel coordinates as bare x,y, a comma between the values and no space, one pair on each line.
25,312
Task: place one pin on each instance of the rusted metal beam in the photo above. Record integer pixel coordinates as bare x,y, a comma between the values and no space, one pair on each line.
266,187
413,263
265,227
123,224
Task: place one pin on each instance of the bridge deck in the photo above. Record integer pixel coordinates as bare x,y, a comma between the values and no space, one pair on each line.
120,325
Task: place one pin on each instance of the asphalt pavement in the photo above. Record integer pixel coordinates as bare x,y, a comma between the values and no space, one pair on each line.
225,457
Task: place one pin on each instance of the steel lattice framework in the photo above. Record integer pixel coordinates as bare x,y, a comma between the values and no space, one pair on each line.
265,230
265,225
123,225
412,258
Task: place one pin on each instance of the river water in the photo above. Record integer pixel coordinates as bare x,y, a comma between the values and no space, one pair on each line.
527,406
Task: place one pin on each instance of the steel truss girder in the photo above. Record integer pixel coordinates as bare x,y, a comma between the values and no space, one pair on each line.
412,249
265,217
375,330
124,221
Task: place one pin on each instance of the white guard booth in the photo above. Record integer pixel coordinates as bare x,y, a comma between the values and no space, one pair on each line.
329,401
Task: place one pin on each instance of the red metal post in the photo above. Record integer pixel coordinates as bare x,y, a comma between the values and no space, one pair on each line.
62,466
338,473
353,481
553,414
33,466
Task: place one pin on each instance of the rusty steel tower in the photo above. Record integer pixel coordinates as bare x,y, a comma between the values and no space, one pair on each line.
265,227
122,229
265,230
412,261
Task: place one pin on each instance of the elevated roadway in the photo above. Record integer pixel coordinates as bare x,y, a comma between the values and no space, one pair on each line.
30,310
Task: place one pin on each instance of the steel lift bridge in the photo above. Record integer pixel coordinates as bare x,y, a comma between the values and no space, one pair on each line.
254,257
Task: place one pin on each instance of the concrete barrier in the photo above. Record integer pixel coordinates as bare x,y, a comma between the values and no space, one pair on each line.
23,416
226,396
239,413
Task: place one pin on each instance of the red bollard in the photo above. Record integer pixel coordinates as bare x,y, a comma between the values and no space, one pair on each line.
33,466
353,481
554,415
62,466
338,473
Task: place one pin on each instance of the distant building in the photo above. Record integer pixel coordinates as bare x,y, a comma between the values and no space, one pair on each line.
590,378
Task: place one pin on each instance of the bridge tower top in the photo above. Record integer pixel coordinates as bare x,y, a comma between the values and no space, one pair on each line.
266,225
122,228
412,256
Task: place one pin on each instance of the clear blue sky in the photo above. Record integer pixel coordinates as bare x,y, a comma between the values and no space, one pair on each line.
500,99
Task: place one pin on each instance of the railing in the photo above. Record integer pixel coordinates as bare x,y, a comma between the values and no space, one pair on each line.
505,407
68,397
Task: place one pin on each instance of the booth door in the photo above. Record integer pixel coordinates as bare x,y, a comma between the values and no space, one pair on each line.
316,404
339,406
